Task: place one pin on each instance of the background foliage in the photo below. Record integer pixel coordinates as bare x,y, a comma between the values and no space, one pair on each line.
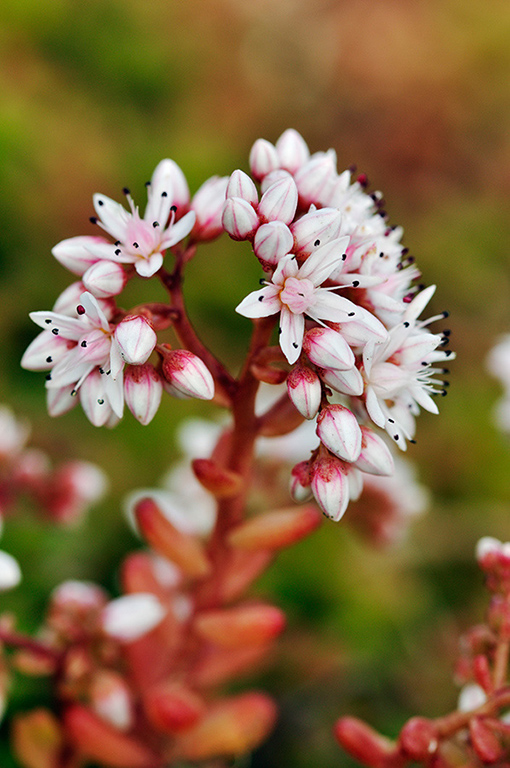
415,93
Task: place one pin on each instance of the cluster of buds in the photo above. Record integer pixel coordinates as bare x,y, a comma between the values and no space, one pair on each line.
137,677
478,732
97,352
61,493
348,304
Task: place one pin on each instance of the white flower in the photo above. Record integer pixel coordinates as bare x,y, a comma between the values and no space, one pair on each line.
131,616
295,292
138,241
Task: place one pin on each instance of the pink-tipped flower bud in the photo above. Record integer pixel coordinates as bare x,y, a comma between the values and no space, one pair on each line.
131,616
208,202
272,242
135,338
375,457
143,388
363,743
315,179
272,178
339,431
328,349
330,487
105,279
279,202
241,185
188,375
300,480
239,219
263,159
305,391
169,178
77,254
322,225
348,382
292,150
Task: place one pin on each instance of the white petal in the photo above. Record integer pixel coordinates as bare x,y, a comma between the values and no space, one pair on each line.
113,216
329,306
374,408
132,616
45,351
149,267
70,327
320,264
262,303
10,572
291,336
180,229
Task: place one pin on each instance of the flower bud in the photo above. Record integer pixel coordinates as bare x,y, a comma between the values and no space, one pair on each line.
77,254
143,389
272,241
315,178
330,487
279,202
188,375
300,482
263,159
239,219
240,185
103,743
363,743
70,297
232,726
419,739
275,530
208,202
240,626
348,382
339,431
184,550
131,616
105,279
292,150
272,178
172,707
375,457
323,225
305,391
111,699
10,572
328,349
169,178
135,338
221,482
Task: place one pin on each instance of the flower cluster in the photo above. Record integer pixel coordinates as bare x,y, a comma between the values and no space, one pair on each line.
344,291
478,732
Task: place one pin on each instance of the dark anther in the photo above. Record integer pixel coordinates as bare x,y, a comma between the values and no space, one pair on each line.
101,371
100,202
381,255
351,314
444,392
93,219
155,224
445,384
261,298
117,243
355,283
392,421
301,294
49,359
446,314
405,251
395,437
164,194
125,191
83,344
100,401
80,309
147,183
279,330
118,252
295,345
173,208
135,245
445,370
48,321
406,324
344,256
48,377
447,332
74,392
317,243
412,441
262,281
55,331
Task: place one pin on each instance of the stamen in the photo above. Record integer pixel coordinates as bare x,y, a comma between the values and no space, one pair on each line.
135,245
100,202
55,331
93,219
49,359
344,256
355,283
80,309
48,377
351,314
317,243
125,191
155,224
48,321
118,252
100,401
83,344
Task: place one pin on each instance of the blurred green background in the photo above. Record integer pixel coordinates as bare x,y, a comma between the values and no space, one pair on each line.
415,93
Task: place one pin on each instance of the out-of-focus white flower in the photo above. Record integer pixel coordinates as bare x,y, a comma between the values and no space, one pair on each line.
131,616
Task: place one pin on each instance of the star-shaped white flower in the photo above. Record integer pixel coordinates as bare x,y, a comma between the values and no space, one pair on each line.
295,292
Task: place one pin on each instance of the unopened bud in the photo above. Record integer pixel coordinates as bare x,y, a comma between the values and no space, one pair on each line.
275,530
239,219
135,338
169,178
279,202
103,743
231,727
272,242
484,741
419,739
221,482
330,487
143,388
105,279
346,382
375,457
188,375
292,150
184,550
323,225
316,177
305,391
339,431
131,616
240,185
363,743
263,159
268,374
242,625
208,202
172,707
300,480
328,349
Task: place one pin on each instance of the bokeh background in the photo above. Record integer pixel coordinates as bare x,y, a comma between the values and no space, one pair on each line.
416,94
